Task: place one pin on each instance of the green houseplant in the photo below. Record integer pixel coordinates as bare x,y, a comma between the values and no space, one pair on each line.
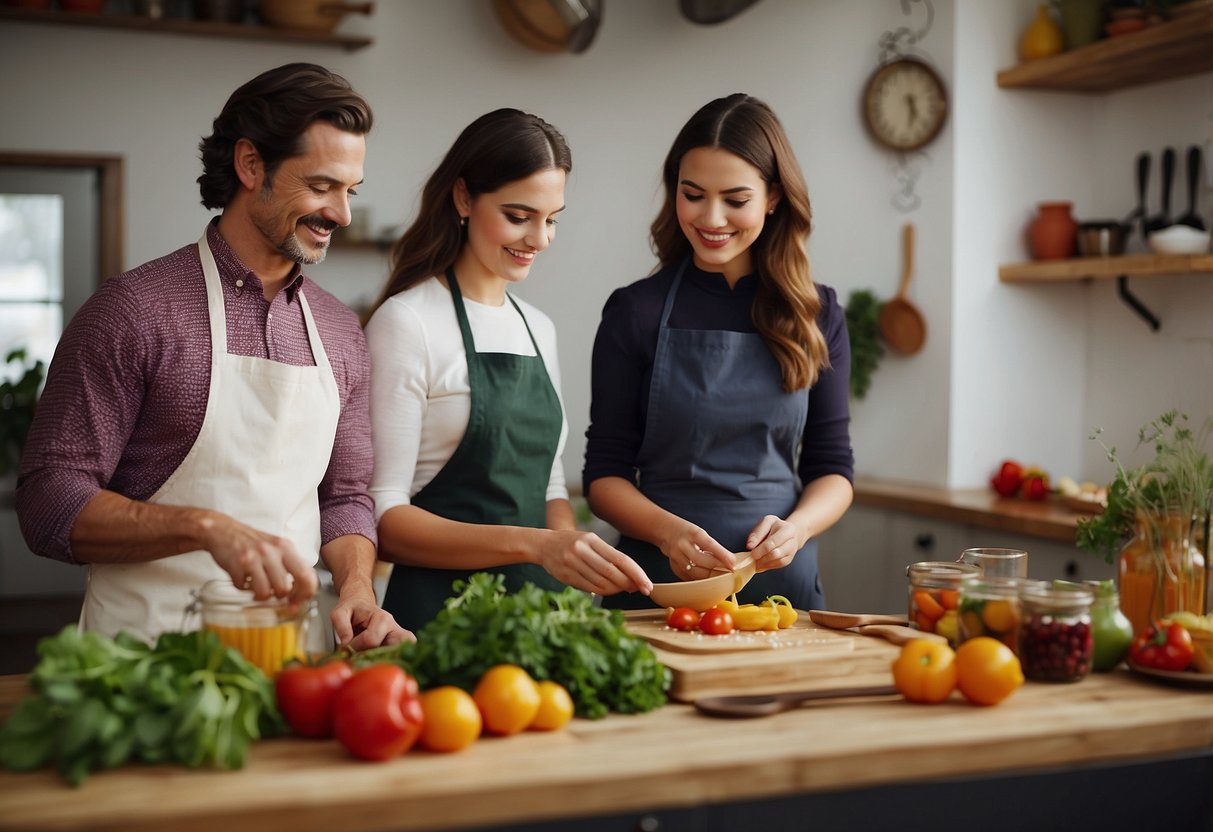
863,329
17,401
1157,521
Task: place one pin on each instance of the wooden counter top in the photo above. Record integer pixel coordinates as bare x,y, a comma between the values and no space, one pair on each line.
672,757
974,507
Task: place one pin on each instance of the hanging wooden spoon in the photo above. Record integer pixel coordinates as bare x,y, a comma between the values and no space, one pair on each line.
773,703
901,324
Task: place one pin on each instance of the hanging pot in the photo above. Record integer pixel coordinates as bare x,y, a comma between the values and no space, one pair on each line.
713,11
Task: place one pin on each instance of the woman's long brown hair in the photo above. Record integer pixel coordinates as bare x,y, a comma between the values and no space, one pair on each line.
787,303
498,148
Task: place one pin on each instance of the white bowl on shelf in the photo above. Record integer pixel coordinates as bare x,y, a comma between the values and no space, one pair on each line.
1178,239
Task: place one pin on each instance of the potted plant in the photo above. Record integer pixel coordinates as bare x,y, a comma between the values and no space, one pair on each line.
1157,521
17,400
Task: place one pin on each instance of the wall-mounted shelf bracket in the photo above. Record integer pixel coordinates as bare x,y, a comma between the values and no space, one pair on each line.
1134,303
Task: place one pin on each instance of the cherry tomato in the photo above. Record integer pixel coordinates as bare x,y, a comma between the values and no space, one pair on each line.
716,622
987,671
925,671
377,714
682,618
305,696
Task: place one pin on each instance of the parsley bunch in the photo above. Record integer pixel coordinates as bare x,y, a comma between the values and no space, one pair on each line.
552,635
863,329
101,702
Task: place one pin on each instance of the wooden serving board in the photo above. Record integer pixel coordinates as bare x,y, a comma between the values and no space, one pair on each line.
825,658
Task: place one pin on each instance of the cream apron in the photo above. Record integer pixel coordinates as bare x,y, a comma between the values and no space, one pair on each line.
260,455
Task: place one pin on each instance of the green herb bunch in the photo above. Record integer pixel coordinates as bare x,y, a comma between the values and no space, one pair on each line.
863,329
1178,481
552,635
101,702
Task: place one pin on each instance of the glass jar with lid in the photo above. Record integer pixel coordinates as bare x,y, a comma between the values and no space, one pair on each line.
268,633
934,596
1055,638
990,606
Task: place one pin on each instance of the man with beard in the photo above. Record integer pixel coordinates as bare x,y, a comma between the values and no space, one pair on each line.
205,416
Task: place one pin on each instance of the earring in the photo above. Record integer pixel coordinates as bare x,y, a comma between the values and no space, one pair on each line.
771,211
463,221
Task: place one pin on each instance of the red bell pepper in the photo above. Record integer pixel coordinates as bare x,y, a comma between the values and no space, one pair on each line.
377,712
1163,646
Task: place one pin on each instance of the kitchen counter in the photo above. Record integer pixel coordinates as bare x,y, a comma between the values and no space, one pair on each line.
980,507
1135,745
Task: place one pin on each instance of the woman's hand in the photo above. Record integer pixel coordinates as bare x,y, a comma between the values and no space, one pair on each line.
694,554
586,561
774,543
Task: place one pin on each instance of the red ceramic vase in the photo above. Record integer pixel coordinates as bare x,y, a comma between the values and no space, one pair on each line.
1053,234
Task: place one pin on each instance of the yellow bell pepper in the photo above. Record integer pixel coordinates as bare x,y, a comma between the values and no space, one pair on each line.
787,613
728,606
753,617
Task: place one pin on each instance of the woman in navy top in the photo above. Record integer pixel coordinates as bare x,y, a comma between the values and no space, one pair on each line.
719,417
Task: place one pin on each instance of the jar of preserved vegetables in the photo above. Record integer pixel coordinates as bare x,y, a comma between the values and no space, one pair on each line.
1055,640
268,633
991,607
934,596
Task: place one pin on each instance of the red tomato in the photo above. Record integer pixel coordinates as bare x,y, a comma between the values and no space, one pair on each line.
682,618
1165,646
377,714
305,696
716,622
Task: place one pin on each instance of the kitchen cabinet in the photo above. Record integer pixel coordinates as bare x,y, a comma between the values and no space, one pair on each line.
174,26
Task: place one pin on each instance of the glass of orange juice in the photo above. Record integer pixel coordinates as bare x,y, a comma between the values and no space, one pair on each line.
268,633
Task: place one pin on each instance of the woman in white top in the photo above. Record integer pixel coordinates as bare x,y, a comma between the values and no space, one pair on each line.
465,407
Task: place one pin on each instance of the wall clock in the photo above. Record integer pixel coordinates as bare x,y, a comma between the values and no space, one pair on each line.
905,104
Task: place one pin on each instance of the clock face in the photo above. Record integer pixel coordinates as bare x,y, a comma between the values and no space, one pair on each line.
905,104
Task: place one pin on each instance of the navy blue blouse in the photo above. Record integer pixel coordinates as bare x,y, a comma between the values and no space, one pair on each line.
622,369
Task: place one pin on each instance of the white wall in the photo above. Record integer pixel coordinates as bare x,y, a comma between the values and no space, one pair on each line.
436,66
1007,370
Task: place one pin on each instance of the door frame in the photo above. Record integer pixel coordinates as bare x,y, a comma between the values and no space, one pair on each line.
109,199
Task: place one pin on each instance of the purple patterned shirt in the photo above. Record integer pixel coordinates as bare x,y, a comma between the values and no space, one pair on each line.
127,390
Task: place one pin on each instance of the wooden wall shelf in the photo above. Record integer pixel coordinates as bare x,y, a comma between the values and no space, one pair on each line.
1082,268
1174,49
175,26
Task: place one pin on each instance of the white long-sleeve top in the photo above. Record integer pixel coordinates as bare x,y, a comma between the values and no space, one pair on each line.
420,395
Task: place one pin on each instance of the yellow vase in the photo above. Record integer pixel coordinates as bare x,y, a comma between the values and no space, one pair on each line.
1042,38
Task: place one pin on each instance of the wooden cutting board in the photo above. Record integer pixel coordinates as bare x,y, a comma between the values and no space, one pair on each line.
824,658
650,625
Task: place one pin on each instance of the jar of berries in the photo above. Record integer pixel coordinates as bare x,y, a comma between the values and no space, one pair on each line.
1055,641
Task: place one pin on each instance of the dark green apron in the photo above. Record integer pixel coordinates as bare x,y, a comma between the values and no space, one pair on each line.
497,476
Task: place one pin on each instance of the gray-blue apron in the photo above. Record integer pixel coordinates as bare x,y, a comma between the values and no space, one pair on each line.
720,447
498,474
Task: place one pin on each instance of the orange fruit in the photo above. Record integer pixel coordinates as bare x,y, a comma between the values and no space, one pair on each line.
452,720
987,671
508,699
555,707
925,671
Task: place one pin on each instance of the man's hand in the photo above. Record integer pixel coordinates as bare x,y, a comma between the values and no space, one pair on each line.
265,563
360,624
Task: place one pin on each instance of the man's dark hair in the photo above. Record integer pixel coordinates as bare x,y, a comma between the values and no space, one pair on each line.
273,111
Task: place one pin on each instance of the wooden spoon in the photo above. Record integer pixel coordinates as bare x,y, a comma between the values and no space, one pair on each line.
847,620
901,324
773,703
